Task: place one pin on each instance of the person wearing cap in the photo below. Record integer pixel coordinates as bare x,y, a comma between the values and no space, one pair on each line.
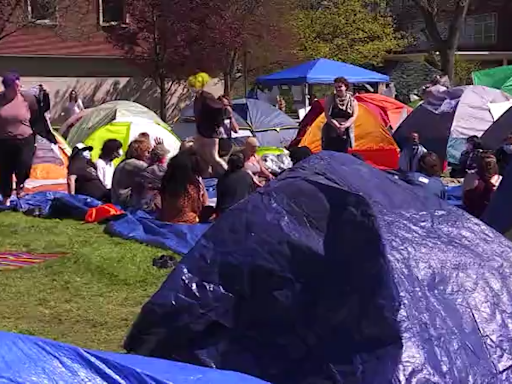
17,140
111,150
83,176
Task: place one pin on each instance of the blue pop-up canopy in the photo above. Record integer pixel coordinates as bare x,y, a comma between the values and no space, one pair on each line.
322,71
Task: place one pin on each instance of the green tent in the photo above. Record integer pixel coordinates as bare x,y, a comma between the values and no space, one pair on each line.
498,78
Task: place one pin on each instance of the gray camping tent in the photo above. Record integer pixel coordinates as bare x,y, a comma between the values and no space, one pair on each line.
446,119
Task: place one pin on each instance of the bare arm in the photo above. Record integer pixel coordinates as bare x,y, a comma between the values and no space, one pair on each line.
234,125
351,121
71,184
264,170
327,112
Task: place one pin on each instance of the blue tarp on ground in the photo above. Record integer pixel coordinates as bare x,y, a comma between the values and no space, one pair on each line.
139,226
335,272
32,360
322,71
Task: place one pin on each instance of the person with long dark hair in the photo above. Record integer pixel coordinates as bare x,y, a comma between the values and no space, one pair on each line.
478,192
183,192
111,150
235,185
74,105
17,140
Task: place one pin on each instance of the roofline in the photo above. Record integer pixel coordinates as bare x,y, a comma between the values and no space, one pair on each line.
490,54
62,56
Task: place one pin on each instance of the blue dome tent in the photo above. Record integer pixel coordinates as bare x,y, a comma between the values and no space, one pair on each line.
272,127
336,272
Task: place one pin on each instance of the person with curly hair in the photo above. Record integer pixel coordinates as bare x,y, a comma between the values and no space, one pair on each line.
341,112
183,192
478,192
128,171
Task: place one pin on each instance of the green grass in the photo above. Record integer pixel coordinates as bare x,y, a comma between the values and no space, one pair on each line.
89,298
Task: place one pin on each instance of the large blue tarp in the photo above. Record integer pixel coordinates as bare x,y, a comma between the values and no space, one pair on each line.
135,225
322,71
32,360
336,272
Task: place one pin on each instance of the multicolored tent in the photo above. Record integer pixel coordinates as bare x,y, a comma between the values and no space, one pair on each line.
122,120
446,119
49,166
378,117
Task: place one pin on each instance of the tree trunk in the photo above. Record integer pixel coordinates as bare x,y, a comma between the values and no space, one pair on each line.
227,84
448,62
162,82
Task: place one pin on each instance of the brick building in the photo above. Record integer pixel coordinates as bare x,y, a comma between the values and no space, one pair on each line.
67,48
485,36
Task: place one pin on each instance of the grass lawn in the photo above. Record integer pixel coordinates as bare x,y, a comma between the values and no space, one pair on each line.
89,298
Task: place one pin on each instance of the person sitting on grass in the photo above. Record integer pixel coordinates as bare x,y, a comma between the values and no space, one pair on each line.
129,170
254,164
183,192
146,193
83,176
235,185
111,150
428,175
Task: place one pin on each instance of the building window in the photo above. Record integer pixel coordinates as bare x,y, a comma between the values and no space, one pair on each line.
42,11
112,12
481,29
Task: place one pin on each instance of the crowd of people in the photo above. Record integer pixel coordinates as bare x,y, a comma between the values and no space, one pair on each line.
173,189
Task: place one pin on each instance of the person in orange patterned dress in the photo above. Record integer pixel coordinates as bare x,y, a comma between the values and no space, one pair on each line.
183,192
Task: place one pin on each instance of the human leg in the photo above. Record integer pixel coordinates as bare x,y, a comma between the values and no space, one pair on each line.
7,167
26,150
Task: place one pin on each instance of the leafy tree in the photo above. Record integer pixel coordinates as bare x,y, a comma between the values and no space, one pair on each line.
433,13
260,38
346,30
170,40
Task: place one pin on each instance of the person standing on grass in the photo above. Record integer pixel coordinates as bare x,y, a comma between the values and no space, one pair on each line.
111,150
209,113
341,112
74,106
17,140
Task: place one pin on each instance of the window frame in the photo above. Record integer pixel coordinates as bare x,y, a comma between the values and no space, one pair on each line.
110,23
482,41
47,21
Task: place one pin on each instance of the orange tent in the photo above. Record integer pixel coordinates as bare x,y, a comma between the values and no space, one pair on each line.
373,140
394,111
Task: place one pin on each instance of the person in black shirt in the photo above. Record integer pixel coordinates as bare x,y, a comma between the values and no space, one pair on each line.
235,185
83,177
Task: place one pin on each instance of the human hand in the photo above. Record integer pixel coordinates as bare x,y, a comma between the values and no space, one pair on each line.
159,141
